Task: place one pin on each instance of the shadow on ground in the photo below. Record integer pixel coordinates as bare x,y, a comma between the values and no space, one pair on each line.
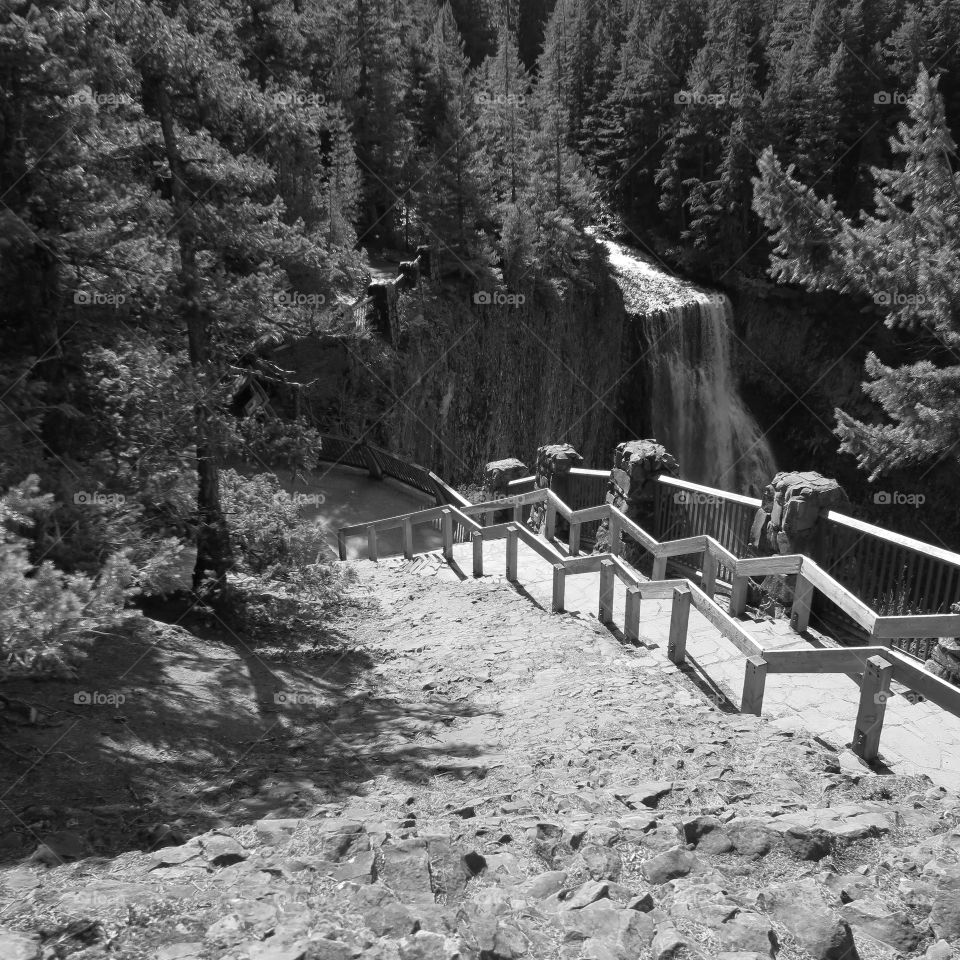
170,731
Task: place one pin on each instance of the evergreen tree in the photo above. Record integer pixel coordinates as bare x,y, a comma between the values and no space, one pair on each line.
905,256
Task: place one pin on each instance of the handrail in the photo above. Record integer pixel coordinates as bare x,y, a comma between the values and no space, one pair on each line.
929,549
876,665
709,491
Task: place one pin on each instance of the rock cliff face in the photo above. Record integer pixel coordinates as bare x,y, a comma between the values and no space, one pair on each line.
471,382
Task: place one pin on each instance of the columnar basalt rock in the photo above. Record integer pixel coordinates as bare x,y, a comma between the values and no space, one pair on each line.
788,521
636,466
554,463
498,475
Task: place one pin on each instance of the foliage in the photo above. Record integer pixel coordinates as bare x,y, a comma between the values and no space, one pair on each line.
905,257
45,614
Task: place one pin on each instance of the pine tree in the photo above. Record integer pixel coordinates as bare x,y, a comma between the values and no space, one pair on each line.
905,256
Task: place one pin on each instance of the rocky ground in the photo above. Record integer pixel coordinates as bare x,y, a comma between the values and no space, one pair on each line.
531,788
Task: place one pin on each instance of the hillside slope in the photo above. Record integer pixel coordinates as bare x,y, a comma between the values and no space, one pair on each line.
536,790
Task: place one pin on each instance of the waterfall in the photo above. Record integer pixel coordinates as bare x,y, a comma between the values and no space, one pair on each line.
691,403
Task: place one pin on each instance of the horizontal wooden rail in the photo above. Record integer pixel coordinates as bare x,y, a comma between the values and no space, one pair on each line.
874,667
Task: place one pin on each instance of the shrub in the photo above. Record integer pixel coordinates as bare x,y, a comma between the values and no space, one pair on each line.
46,614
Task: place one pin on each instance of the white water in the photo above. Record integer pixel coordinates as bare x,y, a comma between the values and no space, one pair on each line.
695,410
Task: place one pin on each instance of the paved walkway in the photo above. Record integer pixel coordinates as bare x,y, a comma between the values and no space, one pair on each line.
918,738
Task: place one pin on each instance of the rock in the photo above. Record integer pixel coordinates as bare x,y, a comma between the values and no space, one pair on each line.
749,838
390,919
499,473
849,886
593,949
871,917
844,821
808,843
945,915
60,847
323,949
627,931
667,943
750,932
643,903
424,945
496,938
643,794
18,946
544,885
941,950
274,831
602,863
276,948
406,869
585,894
191,950
799,907
708,835
222,851
669,865
700,902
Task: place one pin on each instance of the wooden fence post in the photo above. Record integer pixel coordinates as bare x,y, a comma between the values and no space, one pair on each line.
605,613
518,513
512,539
573,540
373,464
559,586
408,538
754,683
874,693
738,596
802,597
446,525
550,528
659,568
631,615
708,581
489,517
476,538
372,543
342,544
613,533
679,618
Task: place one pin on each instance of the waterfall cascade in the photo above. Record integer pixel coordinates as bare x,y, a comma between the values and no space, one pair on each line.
692,405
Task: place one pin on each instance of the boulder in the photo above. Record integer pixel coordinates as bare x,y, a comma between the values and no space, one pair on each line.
801,909
787,520
554,463
632,486
877,921
18,946
669,865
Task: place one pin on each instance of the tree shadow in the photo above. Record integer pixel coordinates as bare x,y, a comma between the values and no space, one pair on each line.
195,729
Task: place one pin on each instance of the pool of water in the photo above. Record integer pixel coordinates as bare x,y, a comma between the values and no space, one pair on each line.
334,496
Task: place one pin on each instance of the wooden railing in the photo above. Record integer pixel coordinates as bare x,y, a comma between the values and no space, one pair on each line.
877,665
883,569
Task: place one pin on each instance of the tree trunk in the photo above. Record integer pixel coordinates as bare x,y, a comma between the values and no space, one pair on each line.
214,556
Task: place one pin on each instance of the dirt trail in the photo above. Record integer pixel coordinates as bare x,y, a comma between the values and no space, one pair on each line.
512,784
